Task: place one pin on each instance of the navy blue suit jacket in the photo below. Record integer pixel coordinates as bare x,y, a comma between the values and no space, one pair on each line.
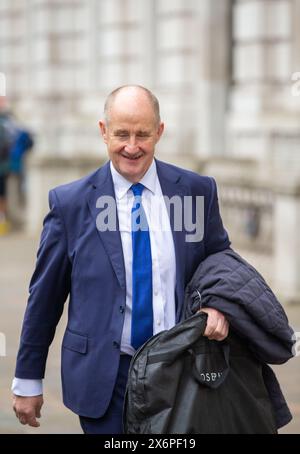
75,259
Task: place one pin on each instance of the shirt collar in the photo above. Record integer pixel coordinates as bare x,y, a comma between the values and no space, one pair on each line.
122,185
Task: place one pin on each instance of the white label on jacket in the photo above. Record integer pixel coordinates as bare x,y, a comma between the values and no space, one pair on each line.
211,376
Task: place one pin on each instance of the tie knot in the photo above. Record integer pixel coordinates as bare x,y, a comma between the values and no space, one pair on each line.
137,189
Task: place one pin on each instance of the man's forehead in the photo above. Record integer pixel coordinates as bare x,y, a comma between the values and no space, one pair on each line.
133,108
131,126
126,118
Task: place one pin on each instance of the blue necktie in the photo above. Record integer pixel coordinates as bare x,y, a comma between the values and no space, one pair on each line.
142,313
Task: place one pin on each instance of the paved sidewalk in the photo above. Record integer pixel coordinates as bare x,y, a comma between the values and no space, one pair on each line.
17,260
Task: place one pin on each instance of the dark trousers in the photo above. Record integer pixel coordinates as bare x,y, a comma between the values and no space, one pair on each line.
111,421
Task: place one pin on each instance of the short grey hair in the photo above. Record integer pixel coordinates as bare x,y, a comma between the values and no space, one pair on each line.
152,98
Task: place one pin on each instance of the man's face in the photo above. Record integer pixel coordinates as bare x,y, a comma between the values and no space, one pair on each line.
131,135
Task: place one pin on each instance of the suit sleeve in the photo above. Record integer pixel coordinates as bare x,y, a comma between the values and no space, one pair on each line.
215,236
48,290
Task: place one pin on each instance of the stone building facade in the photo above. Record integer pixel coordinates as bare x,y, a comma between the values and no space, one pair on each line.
227,75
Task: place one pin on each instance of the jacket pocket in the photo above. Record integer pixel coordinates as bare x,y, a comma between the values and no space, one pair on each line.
75,342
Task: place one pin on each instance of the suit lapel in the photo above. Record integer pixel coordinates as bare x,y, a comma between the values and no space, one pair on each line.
102,185
169,180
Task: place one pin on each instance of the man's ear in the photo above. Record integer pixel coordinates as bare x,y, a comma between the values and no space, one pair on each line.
160,131
103,130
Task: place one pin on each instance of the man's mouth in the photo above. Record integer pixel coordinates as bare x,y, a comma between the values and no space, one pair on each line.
132,157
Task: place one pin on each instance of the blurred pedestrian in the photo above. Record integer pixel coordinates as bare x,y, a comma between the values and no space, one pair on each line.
4,170
15,141
23,141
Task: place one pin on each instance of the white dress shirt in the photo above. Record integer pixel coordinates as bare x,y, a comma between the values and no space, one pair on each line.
163,262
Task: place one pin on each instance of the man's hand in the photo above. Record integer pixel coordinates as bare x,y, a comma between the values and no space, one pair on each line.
27,409
217,326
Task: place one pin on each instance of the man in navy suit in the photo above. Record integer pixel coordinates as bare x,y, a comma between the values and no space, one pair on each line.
92,262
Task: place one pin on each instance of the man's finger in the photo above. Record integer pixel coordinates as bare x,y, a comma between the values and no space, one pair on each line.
23,420
209,330
211,325
27,418
219,332
33,422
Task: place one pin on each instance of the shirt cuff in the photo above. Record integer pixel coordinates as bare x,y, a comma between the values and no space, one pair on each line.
27,387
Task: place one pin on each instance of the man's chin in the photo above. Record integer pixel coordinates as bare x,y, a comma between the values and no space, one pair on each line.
134,177
132,172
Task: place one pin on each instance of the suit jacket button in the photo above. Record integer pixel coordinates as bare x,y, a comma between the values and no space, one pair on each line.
122,309
116,344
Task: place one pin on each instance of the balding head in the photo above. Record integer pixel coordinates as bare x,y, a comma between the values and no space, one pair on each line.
131,96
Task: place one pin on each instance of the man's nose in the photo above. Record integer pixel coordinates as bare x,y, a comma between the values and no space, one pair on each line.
132,145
